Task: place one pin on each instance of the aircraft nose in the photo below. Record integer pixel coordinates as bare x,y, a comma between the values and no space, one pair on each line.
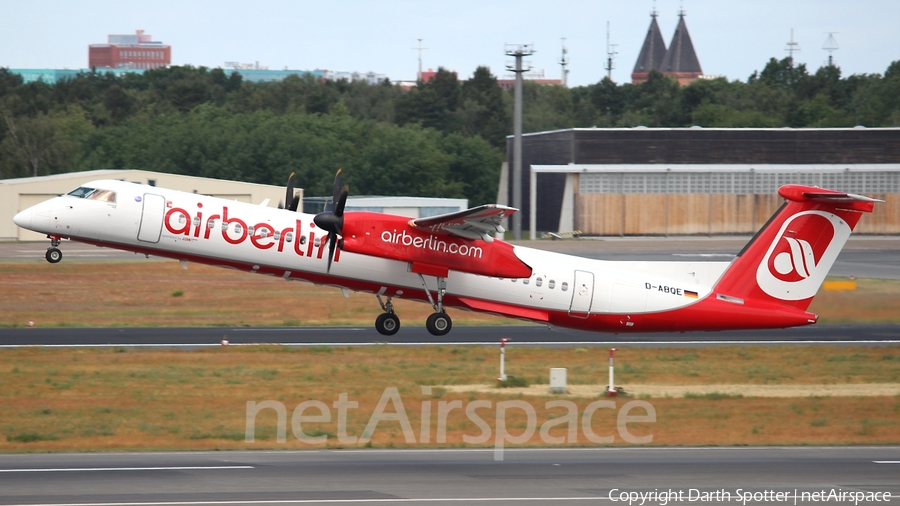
23,219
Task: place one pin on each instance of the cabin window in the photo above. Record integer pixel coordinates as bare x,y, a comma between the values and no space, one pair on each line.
302,239
263,233
564,286
513,280
551,284
250,230
288,237
277,235
211,224
525,281
538,282
196,221
237,228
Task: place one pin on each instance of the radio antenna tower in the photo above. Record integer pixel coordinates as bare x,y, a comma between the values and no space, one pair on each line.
831,46
610,54
564,61
420,48
792,47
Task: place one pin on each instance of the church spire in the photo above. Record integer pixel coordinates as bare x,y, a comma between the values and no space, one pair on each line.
681,61
652,53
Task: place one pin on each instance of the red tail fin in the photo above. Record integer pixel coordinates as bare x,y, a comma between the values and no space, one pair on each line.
790,256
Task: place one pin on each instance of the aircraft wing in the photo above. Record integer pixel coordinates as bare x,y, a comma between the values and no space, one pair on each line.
475,223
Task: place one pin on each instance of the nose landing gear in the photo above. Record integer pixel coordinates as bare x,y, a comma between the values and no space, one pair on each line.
387,323
53,255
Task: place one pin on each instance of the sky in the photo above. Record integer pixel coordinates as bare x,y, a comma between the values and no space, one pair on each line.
732,38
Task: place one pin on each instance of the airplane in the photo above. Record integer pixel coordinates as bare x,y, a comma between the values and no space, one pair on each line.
452,260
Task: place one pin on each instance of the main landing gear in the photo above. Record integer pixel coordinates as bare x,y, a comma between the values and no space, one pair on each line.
438,324
53,255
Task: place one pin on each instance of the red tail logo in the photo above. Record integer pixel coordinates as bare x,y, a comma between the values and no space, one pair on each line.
802,253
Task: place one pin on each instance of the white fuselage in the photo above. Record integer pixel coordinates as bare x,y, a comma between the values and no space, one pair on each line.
283,243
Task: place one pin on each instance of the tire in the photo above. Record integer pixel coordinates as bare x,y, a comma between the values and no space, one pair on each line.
53,255
387,324
439,324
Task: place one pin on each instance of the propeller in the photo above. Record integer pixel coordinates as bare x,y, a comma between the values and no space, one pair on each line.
332,221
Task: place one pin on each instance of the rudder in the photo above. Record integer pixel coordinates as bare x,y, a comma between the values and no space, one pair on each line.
788,259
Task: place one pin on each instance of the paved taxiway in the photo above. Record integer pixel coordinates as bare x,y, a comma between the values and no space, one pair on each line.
539,476
414,333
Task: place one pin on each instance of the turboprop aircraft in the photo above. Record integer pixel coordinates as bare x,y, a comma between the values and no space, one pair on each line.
452,260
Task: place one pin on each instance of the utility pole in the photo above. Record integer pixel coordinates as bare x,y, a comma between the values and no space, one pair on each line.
792,47
420,48
610,54
564,62
831,46
518,51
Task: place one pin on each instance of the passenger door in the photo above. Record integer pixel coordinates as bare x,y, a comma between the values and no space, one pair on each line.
582,294
152,218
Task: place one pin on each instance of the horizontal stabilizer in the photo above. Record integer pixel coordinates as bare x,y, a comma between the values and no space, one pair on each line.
799,193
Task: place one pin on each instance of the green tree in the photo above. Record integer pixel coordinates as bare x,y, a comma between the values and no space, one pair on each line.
43,144
483,111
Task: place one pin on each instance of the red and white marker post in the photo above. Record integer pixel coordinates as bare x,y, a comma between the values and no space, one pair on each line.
503,342
611,388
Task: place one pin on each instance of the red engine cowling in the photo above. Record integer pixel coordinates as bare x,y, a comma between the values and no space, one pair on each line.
390,236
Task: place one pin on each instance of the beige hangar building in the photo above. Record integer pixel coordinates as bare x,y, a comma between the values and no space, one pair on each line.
22,193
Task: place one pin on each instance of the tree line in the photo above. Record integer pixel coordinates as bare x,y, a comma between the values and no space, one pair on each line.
446,137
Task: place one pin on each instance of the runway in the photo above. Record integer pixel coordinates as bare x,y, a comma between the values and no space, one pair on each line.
415,334
537,476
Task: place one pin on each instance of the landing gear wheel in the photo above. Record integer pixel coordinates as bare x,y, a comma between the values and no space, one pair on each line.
387,324
438,324
53,255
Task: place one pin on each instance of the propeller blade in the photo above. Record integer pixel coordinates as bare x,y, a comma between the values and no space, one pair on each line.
289,192
332,239
294,203
336,190
341,202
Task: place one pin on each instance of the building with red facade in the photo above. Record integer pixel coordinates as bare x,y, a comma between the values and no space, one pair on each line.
137,51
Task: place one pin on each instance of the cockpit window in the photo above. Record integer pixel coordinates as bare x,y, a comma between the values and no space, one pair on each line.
104,195
84,192
81,192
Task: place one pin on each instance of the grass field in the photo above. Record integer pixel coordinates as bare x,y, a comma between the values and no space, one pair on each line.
160,293
117,399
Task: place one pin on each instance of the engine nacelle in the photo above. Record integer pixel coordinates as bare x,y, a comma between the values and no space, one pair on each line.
390,236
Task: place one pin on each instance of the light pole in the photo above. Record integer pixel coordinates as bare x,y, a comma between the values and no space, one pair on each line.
518,51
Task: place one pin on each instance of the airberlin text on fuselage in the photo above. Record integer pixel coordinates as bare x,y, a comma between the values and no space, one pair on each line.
234,230
431,243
